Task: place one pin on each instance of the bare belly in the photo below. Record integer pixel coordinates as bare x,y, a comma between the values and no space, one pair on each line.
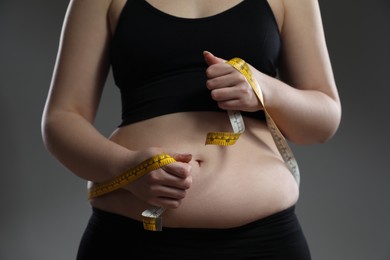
231,186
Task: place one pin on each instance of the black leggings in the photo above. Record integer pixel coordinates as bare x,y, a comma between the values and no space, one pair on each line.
115,237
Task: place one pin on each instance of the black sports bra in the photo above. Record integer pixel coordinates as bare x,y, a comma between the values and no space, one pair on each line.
157,58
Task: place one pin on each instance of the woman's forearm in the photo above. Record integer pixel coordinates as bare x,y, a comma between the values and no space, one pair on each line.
304,116
81,148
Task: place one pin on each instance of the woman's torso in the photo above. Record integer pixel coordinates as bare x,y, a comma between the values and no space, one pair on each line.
231,185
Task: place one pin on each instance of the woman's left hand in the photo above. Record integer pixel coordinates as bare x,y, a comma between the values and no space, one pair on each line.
229,88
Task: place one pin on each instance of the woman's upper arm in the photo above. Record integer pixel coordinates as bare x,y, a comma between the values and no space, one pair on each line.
82,62
305,62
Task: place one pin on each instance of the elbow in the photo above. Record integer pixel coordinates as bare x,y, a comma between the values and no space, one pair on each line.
334,120
318,136
48,132
327,134
328,130
46,129
320,131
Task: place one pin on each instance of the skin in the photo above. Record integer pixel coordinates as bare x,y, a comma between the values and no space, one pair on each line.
198,190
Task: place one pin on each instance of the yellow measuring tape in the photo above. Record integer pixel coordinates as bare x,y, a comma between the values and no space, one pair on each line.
280,141
130,175
228,138
152,217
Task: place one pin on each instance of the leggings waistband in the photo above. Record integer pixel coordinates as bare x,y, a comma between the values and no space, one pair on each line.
126,222
278,236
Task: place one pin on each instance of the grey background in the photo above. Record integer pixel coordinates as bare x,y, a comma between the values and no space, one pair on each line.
344,205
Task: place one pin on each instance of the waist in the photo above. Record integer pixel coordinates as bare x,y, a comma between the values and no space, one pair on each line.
236,184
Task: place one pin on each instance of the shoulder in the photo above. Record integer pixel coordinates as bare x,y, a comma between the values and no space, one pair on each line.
91,4
89,8
278,11
302,20
296,10
114,12
305,58
301,10
86,18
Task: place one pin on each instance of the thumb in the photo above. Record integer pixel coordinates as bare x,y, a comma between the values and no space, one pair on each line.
182,157
211,59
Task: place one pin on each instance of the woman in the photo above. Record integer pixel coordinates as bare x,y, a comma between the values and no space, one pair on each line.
169,61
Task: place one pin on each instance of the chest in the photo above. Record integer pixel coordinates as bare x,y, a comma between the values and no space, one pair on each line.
193,8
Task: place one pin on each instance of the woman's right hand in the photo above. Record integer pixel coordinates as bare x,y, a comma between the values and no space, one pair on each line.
167,186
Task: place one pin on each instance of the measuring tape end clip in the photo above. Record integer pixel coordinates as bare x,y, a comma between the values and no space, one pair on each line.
152,219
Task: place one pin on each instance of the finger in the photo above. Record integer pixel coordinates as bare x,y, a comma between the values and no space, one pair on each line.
218,70
211,59
178,169
161,178
165,202
169,192
235,104
182,157
238,92
223,81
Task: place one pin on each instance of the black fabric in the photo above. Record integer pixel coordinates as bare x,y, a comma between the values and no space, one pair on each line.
157,59
115,237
